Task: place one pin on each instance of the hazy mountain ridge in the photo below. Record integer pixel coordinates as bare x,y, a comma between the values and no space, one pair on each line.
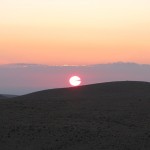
4,96
92,65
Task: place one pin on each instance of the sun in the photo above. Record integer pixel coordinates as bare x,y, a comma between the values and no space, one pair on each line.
75,81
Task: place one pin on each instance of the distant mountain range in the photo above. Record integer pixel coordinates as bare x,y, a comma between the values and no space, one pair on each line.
25,78
4,96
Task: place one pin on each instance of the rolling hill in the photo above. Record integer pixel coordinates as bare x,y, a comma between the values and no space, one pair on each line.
105,116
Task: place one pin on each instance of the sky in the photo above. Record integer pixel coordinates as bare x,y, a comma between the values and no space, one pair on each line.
58,32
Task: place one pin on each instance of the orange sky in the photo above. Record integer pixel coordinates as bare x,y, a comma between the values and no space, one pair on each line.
74,31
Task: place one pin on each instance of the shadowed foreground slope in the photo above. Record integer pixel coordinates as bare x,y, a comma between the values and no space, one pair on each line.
106,116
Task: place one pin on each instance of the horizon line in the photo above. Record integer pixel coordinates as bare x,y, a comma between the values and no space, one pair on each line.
74,65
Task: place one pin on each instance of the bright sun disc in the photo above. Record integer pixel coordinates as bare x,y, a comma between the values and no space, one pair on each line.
75,81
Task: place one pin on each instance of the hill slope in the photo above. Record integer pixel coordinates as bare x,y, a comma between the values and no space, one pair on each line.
107,116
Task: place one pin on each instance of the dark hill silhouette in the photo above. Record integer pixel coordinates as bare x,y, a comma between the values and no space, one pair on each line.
106,116
4,96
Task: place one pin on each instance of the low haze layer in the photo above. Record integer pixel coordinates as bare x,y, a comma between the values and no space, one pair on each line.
27,78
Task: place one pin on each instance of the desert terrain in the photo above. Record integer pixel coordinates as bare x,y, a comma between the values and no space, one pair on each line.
104,116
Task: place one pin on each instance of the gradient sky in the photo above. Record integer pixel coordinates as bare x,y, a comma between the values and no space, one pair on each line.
74,31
